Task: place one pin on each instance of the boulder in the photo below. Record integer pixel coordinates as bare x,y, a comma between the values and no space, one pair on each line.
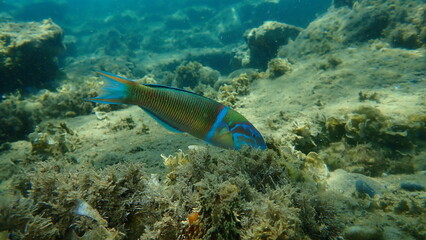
28,54
264,41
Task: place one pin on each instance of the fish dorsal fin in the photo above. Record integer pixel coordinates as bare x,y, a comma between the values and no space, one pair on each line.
176,89
162,122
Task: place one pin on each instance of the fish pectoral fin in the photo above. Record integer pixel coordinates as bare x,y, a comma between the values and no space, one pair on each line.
162,122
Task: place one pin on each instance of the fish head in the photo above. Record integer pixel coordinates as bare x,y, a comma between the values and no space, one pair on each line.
244,133
232,130
234,135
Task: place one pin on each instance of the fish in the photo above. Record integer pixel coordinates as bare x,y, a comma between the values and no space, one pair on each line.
180,110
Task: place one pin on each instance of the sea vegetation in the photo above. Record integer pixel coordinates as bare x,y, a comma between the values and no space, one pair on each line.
52,195
50,140
228,94
19,115
245,195
367,148
206,195
363,141
278,67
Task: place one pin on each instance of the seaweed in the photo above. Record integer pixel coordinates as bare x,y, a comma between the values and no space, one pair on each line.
229,93
364,140
372,143
19,116
278,67
60,200
53,140
243,195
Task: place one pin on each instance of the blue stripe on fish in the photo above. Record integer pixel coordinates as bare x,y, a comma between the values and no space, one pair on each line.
217,123
240,140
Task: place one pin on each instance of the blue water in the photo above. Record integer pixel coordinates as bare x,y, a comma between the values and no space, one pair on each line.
297,12
130,17
341,107
135,30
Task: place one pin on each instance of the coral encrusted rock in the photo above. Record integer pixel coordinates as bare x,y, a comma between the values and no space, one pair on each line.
28,54
264,41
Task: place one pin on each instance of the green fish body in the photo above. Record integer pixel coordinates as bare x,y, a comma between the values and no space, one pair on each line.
184,111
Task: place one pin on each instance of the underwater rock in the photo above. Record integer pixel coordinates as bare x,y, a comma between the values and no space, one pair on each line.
397,22
193,73
321,36
28,54
407,36
208,75
343,3
363,233
349,184
365,23
177,20
410,32
264,41
363,188
412,187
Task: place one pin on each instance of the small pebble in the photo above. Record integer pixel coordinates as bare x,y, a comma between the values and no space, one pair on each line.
412,187
364,188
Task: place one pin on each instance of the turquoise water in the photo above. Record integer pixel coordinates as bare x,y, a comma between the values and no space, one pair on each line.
336,88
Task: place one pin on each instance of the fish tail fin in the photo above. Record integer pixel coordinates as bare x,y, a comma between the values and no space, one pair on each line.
115,90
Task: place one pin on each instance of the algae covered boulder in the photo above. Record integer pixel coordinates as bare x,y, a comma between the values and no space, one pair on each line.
192,73
28,54
352,23
264,41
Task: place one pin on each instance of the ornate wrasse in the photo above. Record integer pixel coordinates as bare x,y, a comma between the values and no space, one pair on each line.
183,111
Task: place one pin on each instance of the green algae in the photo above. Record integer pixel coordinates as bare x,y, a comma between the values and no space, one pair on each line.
19,115
239,196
